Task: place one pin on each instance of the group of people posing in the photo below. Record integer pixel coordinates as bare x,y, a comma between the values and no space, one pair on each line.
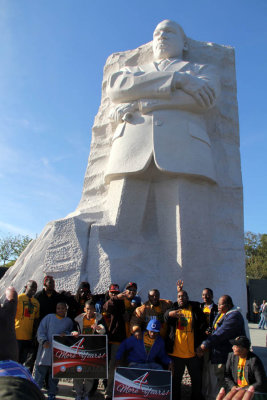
209,340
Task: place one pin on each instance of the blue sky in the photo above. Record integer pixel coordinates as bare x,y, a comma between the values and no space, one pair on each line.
52,58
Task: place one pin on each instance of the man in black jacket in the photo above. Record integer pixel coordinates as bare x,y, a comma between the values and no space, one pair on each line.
244,368
48,297
209,308
186,324
117,311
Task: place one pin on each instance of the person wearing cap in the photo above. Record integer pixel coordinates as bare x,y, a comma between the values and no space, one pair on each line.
148,351
48,297
155,308
228,324
117,311
186,324
244,368
136,302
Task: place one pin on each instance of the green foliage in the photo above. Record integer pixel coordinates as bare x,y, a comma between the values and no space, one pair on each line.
256,255
11,247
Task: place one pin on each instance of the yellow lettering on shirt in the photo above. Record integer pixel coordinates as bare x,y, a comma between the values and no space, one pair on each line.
184,335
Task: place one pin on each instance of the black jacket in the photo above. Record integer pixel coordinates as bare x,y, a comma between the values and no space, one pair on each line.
48,304
212,315
199,325
229,327
254,372
8,342
114,309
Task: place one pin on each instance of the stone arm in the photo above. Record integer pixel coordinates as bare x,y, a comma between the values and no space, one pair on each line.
193,90
125,86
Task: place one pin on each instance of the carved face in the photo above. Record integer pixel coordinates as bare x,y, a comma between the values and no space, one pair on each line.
168,41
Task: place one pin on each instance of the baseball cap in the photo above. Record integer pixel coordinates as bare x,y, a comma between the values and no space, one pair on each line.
114,288
241,341
48,277
136,300
153,325
131,284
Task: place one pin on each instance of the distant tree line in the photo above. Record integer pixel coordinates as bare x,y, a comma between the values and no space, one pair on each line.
256,255
11,247
255,249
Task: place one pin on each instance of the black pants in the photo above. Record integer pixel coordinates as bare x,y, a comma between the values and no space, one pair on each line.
26,353
194,367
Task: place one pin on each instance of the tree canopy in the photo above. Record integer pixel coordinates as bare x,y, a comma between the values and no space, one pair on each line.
256,255
11,247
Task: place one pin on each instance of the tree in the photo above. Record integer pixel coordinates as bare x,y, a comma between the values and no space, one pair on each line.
256,255
11,247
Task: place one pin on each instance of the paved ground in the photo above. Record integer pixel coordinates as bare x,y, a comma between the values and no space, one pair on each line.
258,340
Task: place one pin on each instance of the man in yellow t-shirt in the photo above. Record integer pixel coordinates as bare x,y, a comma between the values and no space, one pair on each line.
186,328
26,321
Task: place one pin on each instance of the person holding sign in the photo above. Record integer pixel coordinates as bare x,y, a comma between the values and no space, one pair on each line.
90,323
145,350
52,324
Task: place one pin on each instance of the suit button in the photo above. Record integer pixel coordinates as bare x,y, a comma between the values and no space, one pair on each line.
158,122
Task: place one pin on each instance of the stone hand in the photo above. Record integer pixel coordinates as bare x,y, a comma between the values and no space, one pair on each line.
123,112
196,87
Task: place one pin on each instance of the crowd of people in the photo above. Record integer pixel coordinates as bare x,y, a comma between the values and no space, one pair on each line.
207,339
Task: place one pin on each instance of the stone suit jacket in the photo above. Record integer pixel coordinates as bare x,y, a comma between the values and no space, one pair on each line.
167,124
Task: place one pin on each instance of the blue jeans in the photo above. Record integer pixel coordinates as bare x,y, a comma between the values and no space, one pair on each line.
262,322
40,373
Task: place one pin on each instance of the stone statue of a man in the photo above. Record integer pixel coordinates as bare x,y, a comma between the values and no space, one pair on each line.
160,132
159,108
